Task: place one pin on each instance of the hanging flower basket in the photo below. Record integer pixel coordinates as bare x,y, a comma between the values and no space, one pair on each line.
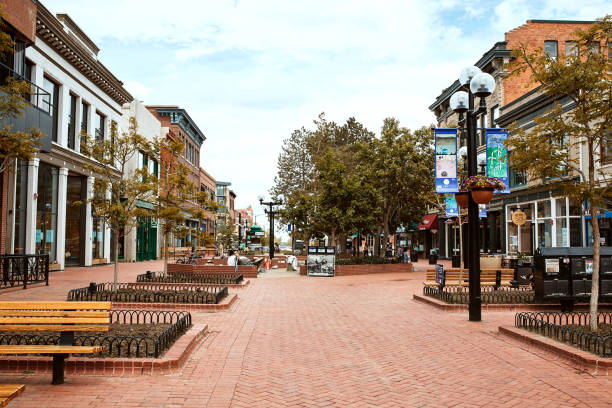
462,198
482,187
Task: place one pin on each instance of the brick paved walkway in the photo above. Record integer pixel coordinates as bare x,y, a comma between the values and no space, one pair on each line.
316,342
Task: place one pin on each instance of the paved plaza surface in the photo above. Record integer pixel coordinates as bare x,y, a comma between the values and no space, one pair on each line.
355,341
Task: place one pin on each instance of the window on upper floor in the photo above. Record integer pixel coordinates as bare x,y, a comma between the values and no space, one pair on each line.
84,116
483,127
594,47
571,48
606,149
494,115
551,49
99,122
72,120
49,102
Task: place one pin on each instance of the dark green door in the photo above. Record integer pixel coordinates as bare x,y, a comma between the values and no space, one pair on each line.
146,239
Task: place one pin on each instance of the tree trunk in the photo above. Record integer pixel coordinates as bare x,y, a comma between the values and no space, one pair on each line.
165,254
116,268
595,278
376,251
385,238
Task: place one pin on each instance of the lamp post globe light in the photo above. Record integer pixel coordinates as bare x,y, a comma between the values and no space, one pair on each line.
479,84
271,213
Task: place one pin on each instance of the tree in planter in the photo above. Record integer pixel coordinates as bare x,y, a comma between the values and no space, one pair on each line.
118,188
226,234
178,198
550,151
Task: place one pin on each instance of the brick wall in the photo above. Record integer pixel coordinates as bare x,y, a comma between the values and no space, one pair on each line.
535,33
345,270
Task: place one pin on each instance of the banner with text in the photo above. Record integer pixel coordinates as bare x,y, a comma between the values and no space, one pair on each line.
497,156
446,160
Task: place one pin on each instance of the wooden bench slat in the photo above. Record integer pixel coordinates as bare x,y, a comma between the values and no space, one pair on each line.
51,349
9,391
53,320
55,305
57,313
64,328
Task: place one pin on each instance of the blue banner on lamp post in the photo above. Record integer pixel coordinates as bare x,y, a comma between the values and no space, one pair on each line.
446,160
497,156
452,209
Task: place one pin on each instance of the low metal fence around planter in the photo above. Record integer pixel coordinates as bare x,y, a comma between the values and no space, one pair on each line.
572,328
149,293
212,278
22,270
118,342
452,295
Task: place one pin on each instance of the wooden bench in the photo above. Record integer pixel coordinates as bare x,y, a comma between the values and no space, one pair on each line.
453,275
63,317
9,391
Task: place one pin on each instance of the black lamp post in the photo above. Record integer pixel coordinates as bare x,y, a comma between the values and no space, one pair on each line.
271,213
479,84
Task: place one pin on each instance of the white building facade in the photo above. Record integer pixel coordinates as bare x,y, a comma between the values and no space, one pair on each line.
48,196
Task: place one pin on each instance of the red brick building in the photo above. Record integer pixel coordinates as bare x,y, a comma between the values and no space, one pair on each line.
208,184
177,123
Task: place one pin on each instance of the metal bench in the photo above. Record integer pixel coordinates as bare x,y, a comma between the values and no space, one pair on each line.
63,317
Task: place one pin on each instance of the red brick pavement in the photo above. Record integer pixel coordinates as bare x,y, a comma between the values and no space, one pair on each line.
355,341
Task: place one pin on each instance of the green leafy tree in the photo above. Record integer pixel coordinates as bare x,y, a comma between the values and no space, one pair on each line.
550,151
14,144
118,187
178,198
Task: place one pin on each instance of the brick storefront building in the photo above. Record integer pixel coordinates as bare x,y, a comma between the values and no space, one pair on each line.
556,38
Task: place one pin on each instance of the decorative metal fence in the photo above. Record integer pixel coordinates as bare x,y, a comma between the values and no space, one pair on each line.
212,278
120,345
145,293
22,270
453,295
571,328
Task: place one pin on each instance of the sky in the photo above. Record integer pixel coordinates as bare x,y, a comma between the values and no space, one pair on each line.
249,72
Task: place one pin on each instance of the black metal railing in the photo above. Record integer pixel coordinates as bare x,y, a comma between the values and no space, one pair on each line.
571,328
211,278
36,96
120,345
145,293
22,270
452,295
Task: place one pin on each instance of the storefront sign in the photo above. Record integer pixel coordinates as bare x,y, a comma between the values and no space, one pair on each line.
497,156
446,160
519,218
452,210
551,265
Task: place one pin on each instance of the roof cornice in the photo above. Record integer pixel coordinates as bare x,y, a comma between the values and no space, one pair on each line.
50,30
179,116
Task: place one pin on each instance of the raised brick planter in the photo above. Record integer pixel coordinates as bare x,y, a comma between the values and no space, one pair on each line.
579,359
245,283
174,359
225,304
346,270
248,271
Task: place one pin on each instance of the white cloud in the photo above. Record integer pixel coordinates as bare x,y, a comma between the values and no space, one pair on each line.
252,71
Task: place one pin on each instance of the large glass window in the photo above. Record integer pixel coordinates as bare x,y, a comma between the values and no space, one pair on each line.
49,103
97,236
20,207
84,116
74,205
571,48
46,211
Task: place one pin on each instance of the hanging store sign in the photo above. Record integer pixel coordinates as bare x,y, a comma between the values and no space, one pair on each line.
452,210
519,217
497,156
446,160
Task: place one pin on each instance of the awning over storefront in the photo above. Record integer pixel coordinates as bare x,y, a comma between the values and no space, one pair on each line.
429,222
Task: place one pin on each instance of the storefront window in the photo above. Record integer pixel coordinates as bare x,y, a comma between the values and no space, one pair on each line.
74,204
46,210
97,238
20,207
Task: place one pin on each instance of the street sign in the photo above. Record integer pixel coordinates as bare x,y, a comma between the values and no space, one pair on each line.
289,227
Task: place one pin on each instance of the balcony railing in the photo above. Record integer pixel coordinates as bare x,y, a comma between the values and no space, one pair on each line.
22,270
37,96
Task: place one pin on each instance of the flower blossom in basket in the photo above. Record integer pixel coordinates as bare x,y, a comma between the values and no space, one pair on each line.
482,182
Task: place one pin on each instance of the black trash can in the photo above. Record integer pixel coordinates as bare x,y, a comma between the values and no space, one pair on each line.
433,258
414,256
456,260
